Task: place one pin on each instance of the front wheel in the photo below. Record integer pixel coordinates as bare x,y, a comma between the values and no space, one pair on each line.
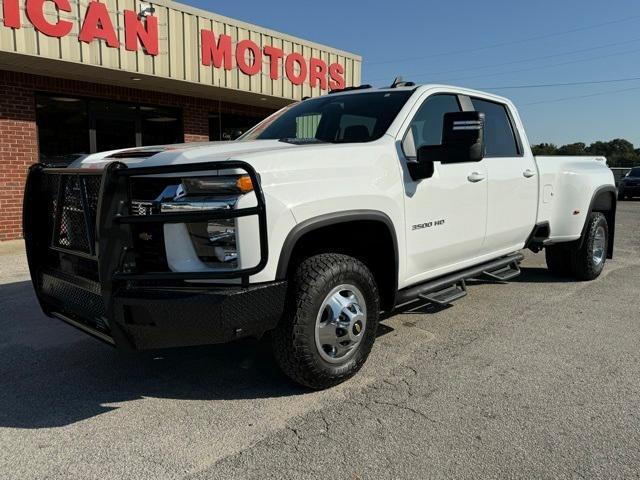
330,322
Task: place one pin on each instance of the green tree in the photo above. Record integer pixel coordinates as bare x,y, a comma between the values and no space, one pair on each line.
578,148
544,149
619,152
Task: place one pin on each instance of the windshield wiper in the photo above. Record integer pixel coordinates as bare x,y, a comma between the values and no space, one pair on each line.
301,141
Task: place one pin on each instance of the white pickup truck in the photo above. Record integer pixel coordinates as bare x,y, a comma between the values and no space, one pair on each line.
327,214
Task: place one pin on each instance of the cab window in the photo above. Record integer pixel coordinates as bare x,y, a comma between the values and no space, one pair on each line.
426,127
499,137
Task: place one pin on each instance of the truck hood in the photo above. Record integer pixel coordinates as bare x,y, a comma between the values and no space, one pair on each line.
180,153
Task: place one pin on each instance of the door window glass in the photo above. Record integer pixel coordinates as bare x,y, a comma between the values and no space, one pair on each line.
426,127
499,138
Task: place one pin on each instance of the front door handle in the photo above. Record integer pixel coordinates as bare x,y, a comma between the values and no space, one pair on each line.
528,173
476,177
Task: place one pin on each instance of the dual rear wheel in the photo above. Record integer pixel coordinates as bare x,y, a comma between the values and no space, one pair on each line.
583,261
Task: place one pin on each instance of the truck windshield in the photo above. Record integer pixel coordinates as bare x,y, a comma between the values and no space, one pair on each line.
349,118
635,172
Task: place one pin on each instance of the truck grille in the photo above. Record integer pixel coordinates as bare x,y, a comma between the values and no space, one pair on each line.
73,204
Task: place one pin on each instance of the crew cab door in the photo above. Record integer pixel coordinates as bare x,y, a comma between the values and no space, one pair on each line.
512,179
446,214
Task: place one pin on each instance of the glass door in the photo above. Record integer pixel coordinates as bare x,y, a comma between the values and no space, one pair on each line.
113,126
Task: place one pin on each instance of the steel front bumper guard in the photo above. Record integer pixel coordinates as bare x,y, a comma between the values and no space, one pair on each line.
142,310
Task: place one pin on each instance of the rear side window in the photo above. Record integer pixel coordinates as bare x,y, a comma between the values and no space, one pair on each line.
500,140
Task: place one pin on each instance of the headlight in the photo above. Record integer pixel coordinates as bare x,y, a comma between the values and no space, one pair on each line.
223,185
215,241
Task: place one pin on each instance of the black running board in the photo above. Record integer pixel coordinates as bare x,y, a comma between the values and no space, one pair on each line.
446,296
503,274
444,290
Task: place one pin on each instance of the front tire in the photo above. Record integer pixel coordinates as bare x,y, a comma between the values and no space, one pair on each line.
330,322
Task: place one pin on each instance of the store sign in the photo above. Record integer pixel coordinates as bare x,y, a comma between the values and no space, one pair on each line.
220,53
140,30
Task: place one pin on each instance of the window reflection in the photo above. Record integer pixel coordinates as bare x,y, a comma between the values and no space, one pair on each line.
70,127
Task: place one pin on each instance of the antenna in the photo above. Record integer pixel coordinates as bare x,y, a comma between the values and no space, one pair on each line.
399,82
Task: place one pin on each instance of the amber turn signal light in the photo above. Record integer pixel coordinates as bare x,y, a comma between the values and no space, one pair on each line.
244,184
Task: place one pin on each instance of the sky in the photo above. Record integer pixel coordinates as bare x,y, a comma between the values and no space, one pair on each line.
490,45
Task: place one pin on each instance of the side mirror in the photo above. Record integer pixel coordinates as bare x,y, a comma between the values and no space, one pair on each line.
462,141
423,168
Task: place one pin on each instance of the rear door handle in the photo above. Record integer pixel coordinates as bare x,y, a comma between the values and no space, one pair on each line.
476,177
528,173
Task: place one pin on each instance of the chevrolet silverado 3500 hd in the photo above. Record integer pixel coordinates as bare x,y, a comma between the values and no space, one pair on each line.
312,224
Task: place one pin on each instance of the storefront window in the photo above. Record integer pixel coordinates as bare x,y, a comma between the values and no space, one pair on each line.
113,125
70,127
63,129
160,125
228,126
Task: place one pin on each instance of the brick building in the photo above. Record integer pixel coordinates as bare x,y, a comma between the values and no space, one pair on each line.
78,77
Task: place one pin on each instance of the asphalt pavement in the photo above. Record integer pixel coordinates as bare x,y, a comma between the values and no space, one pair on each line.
538,378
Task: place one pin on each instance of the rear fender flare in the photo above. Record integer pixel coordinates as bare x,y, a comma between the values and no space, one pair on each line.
595,206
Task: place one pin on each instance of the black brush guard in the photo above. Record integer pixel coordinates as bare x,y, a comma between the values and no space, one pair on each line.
78,233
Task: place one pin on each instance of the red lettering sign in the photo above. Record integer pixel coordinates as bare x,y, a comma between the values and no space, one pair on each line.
97,24
289,68
241,57
275,55
336,71
318,73
142,30
146,32
35,14
216,53
11,13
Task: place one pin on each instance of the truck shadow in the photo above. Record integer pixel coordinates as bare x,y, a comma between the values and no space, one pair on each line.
540,275
51,375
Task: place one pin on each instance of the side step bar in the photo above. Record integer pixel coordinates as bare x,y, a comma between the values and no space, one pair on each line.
503,274
444,290
445,297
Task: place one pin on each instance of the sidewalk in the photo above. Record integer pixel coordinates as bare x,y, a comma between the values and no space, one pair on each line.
13,262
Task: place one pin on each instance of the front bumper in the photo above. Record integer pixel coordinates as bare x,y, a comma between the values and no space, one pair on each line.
163,317
79,235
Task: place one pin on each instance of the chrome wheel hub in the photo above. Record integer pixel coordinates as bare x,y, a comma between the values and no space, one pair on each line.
341,323
599,246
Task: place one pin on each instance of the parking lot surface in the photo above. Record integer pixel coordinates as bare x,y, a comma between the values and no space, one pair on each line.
536,378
